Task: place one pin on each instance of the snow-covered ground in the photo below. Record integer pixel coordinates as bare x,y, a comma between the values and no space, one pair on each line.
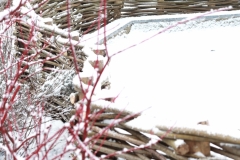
188,74
57,144
61,142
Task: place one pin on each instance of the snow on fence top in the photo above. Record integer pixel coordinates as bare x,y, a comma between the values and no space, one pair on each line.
123,25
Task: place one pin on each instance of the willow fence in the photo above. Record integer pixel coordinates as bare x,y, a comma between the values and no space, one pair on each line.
85,15
160,7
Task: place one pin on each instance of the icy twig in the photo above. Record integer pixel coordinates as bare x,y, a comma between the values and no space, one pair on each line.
10,11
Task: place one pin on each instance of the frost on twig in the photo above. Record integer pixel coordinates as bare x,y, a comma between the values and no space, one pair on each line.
56,84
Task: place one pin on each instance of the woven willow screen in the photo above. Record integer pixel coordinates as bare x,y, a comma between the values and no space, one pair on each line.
84,15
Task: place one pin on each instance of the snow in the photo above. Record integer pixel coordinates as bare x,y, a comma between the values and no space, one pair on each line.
58,147
98,47
186,75
91,55
179,142
219,156
119,130
75,33
199,154
235,146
